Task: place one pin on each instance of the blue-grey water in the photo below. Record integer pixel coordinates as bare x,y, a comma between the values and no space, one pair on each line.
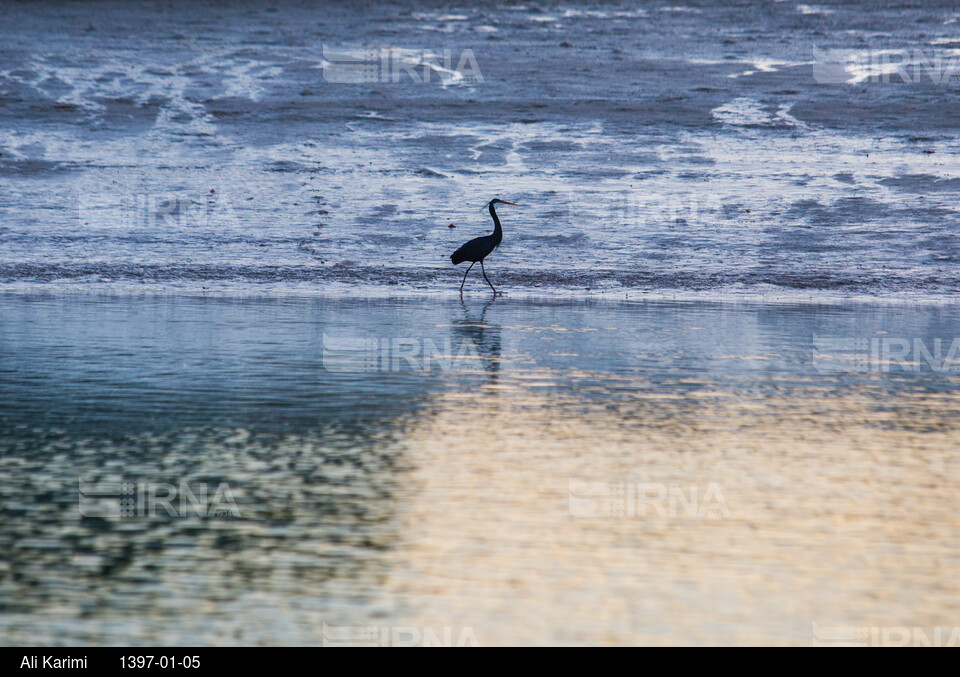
413,463
654,147
241,401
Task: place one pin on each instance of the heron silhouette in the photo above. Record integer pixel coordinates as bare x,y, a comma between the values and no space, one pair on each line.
479,248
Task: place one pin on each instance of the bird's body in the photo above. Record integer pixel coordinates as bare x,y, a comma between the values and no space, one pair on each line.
480,248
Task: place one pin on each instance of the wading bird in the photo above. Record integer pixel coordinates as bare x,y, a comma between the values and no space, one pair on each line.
479,248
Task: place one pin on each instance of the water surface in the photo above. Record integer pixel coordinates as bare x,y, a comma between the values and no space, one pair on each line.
378,487
654,147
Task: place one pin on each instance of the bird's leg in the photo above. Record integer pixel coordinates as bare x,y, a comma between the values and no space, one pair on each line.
465,276
487,278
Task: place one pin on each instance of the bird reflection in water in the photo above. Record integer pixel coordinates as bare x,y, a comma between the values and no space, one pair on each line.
485,337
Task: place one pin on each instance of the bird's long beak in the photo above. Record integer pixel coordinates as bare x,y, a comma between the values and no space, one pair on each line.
509,203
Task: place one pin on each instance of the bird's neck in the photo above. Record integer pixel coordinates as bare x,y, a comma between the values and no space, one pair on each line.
497,230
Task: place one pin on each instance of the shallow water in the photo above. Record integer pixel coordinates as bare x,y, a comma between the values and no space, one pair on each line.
718,403
474,470
654,147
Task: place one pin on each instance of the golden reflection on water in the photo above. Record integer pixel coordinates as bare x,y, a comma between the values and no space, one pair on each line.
441,500
841,512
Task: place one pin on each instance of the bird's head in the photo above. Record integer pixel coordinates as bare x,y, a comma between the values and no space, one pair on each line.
498,201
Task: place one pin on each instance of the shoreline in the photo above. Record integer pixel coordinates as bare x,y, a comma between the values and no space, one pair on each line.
798,298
